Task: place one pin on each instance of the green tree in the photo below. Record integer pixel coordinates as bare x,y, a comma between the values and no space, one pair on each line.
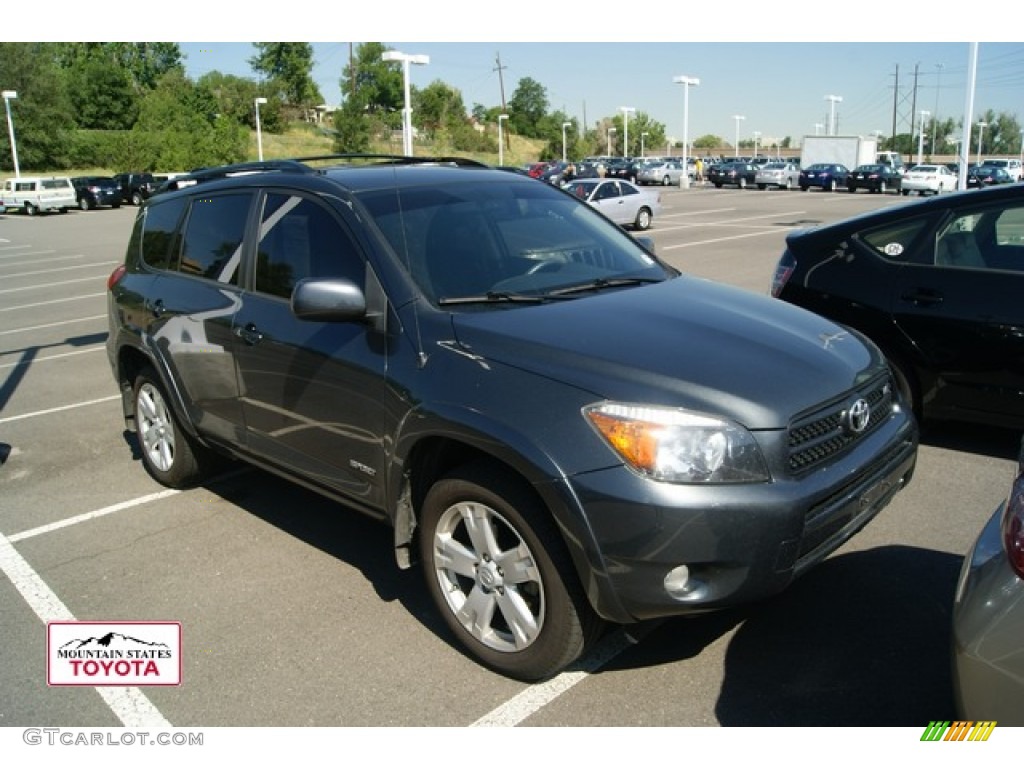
42,114
146,63
438,106
373,97
236,97
101,93
526,108
288,67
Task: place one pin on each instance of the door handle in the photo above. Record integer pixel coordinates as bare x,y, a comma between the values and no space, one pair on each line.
249,334
923,298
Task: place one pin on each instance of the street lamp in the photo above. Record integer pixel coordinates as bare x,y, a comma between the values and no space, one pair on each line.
642,153
833,100
8,95
982,125
736,146
611,130
625,129
920,137
406,60
501,141
686,82
259,134
935,114
564,126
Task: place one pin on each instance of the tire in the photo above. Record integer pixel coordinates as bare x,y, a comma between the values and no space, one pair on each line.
788,185
882,188
803,188
136,198
30,210
718,185
850,189
168,453
643,219
742,183
905,192
829,185
500,575
84,204
762,187
666,181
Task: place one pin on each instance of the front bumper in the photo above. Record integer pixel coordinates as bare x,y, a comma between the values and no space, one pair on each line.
988,633
737,542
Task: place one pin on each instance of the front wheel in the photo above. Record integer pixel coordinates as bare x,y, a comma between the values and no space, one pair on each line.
643,219
30,209
84,204
829,185
136,198
882,188
666,181
499,573
742,184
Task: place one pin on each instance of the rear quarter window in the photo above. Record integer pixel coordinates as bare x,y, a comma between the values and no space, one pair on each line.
158,232
894,242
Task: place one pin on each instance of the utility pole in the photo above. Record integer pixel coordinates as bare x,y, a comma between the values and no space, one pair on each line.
913,105
895,101
501,84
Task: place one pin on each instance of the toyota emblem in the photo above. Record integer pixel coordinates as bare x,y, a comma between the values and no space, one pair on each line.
858,416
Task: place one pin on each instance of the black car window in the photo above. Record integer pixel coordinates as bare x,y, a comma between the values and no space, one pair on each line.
986,239
299,238
158,231
893,241
212,241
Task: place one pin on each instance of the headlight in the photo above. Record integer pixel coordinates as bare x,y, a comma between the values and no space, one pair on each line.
679,446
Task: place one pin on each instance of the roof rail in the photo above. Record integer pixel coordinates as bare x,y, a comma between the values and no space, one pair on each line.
223,171
396,159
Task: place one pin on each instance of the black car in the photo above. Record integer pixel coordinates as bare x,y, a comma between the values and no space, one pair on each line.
739,174
94,191
561,428
828,176
624,169
136,187
875,177
937,284
987,175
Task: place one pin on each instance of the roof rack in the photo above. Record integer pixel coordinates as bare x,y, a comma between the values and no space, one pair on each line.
396,159
223,171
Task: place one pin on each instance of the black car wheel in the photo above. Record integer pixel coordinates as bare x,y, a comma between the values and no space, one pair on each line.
643,219
742,183
829,185
882,187
498,571
136,198
168,453
30,209
84,204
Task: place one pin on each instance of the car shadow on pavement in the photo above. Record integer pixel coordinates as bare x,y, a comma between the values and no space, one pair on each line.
996,442
863,640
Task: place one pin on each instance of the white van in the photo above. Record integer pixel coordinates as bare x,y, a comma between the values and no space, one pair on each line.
34,194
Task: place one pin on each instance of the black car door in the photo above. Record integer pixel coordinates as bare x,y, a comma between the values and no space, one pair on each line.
964,313
311,392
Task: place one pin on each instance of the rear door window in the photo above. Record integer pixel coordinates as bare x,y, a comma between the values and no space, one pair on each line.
212,240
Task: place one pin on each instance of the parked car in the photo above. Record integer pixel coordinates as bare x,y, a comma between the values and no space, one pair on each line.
988,617
94,191
628,170
876,177
624,203
667,173
781,175
937,284
39,194
136,187
738,173
555,173
536,169
1011,165
929,178
828,176
561,429
986,176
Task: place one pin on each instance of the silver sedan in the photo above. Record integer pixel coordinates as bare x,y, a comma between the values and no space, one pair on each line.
622,202
664,173
988,617
781,175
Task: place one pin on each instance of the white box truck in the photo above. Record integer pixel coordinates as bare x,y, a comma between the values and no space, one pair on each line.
850,151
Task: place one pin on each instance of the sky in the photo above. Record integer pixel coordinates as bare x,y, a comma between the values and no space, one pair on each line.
779,89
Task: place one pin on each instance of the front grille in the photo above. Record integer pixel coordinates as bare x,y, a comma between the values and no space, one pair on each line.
825,432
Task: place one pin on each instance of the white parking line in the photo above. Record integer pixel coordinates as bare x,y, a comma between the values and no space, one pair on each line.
51,325
69,521
32,262
718,240
61,269
54,301
19,247
51,285
58,409
129,705
536,697
48,358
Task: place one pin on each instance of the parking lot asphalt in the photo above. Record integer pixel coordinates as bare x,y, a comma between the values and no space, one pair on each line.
293,612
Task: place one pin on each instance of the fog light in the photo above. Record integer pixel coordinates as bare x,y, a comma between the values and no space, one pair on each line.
677,581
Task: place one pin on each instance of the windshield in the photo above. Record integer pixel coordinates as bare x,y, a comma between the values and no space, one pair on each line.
477,237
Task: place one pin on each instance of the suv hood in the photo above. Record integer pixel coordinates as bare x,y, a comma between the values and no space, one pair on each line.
683,342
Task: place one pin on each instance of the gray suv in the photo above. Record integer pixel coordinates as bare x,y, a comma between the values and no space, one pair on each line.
562,430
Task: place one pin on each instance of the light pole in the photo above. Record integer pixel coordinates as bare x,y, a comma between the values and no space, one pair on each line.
8,95
920,137
686,82
642,136
935,114
611,130
259,133
564,126
501,140
833,100
757,136
406,60
736,146
625,129
982,125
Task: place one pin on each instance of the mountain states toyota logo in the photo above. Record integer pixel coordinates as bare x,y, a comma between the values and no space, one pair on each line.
113,653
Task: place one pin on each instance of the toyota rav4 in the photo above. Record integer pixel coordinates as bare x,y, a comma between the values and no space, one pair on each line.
561,428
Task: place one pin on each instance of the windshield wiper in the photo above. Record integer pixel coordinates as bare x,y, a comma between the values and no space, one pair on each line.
493,297
603,282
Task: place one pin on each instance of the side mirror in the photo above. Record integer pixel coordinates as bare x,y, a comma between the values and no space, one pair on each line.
328,300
